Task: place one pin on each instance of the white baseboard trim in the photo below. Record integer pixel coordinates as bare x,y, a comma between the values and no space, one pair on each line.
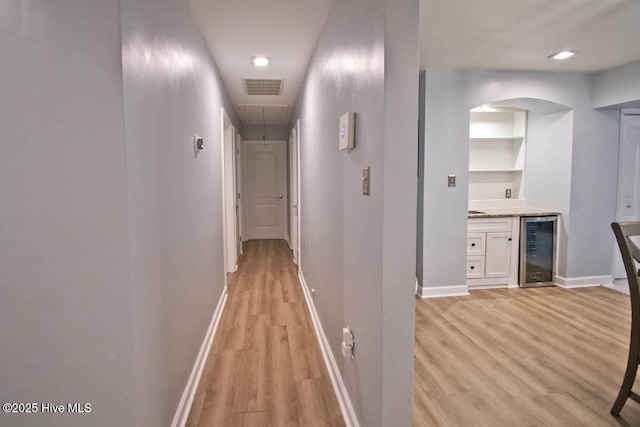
417,287
443,291
339,387
583,282
182,413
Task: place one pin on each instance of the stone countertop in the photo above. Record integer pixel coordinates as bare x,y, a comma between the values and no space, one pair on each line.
502,212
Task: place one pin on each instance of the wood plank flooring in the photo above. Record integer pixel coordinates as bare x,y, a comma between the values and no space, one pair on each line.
265,367
522,357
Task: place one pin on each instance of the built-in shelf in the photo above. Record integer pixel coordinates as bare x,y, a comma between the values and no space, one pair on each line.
497,155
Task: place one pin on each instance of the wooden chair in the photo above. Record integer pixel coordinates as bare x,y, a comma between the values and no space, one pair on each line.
630,252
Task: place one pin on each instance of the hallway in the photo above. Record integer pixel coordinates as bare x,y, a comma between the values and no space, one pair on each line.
265,367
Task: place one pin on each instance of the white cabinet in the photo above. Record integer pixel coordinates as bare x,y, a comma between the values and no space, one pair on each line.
492,252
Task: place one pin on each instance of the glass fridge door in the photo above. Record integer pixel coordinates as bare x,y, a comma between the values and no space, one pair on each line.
539,235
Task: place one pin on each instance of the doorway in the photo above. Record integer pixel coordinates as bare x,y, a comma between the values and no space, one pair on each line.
237,150
628,208
229,194
265,187
294,204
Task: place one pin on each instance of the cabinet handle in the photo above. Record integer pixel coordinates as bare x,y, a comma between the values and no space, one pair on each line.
472,267
473,244
509,238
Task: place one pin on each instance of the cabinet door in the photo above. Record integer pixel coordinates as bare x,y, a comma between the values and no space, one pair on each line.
498,255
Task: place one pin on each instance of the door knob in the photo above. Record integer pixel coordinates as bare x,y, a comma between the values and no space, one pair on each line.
280,196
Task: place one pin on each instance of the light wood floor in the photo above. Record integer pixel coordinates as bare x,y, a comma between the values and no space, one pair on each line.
522,357
265,367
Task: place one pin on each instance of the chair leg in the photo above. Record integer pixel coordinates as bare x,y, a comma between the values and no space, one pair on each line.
629,375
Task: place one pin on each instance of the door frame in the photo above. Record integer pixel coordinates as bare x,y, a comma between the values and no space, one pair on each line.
294,188
292,194
228,192
617,267
237,151
244,191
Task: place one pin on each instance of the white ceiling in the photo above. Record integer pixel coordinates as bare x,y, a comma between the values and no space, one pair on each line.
285,30
492,34
521,34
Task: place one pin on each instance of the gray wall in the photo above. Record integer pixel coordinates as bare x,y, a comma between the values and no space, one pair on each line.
111,256
271,133
618,88
171,91
420,201
594,184
401,63
344,255
446,152
449,96
65,305
341,238
548,168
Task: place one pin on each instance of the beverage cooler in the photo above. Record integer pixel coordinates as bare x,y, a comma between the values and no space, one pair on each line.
537,251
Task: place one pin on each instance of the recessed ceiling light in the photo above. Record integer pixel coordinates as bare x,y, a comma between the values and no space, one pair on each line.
563,55
260,61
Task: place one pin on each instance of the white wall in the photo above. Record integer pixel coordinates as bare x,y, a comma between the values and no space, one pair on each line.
65,305
346,241
171,91
618,88
449,96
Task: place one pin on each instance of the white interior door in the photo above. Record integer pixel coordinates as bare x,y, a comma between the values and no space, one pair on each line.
628,179
294,192
266,186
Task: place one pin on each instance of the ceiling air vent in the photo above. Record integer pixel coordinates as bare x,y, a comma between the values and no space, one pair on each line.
262,86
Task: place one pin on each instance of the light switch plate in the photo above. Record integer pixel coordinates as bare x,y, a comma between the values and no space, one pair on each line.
366,180
451,180
347,336
347,138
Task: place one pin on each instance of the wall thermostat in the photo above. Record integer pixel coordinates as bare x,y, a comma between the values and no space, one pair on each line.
347,131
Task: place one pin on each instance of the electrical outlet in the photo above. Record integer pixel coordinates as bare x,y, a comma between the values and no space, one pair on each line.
348,343
507,193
